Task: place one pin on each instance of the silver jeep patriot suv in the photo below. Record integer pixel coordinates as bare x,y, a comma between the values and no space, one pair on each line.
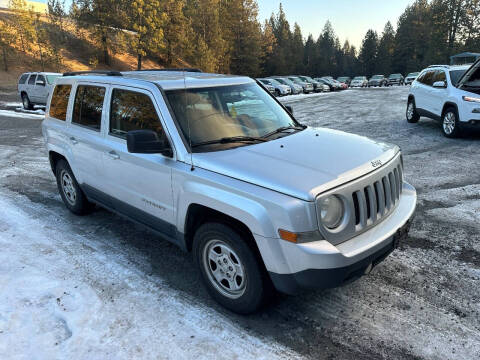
216,165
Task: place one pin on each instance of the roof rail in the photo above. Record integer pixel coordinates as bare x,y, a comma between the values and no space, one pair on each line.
438,66
94,72
173,69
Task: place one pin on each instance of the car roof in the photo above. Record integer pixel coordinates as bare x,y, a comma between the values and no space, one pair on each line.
167,80
451,67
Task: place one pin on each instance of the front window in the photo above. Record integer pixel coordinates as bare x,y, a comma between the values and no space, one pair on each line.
228,112
132,110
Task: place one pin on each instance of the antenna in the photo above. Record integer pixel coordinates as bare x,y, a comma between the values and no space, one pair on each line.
188,120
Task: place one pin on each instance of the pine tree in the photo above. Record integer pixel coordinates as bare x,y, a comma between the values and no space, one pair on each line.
297,49
176,31
368,53
147,20
386,48
7,39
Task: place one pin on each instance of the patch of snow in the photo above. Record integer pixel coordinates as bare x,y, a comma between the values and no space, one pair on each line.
38,114
62,296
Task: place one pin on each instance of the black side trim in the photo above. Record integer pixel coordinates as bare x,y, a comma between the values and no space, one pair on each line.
160,227
428,114
330,278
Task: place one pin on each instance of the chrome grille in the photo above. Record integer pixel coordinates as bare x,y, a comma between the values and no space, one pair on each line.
367,201
377,199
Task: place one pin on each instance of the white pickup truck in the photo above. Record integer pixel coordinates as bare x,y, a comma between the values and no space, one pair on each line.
215,164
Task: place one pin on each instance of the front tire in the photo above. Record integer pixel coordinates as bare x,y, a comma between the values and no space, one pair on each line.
450,123
411,114
231,271
71,193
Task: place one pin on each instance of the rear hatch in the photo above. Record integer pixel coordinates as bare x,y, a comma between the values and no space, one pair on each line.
470,81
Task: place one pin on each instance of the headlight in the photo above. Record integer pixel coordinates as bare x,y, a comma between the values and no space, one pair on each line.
331,211
471,99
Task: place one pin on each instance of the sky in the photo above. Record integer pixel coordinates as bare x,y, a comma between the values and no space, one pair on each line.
350,18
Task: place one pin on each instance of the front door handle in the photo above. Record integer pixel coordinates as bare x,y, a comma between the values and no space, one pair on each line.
73,140
113,155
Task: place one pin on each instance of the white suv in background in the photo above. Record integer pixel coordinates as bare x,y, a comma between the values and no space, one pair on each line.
34,88
449,94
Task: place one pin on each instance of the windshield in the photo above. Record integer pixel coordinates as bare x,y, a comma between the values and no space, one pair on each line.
455,76
51,78
273,82
342,79
209,114
296,80
377,77
359,78
395,76
285,81
415,74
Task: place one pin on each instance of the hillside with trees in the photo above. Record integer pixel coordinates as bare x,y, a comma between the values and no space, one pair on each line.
225,36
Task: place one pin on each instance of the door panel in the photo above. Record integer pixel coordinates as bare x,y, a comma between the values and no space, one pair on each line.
141,180
41,92
438,95
86,137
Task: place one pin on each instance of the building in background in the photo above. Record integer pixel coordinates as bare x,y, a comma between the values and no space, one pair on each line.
464,58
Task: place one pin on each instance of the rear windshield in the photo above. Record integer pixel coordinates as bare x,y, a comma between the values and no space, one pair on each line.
395,76
23,79
59,103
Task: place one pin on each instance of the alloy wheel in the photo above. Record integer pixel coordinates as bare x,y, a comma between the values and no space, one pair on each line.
449,123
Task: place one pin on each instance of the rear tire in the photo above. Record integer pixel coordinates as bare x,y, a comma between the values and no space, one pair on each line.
27,105
231,271
411,113
71,193
450,124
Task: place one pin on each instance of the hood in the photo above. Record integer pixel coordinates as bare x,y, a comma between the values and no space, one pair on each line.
301,165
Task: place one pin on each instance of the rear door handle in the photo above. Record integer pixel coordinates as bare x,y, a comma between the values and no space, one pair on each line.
73,140
113,155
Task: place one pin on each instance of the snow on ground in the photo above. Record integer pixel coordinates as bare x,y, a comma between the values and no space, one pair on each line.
99,287
62,296
33,114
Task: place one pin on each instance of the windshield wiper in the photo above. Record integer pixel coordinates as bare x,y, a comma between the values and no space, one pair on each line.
231,139
283,128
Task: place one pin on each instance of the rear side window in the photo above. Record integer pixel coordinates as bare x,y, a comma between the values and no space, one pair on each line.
59,103
23,79
87,110
31,81
131,110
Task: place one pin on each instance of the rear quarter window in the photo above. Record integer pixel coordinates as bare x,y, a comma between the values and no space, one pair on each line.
59,102
23,79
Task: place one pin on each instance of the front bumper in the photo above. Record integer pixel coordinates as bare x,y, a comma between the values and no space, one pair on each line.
320,264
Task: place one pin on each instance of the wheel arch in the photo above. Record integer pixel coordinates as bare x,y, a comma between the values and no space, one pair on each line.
450,104
54,157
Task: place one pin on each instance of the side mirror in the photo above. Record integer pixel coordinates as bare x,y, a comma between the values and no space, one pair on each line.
147,142
289,109
440,84
40,82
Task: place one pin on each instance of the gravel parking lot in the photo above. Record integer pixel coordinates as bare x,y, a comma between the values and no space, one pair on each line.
99,287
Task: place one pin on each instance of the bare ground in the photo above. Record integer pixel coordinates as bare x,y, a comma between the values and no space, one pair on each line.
422,302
